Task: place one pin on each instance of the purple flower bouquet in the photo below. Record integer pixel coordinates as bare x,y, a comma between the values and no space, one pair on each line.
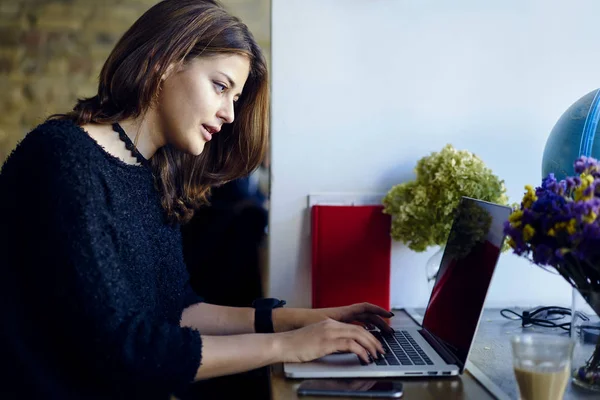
557,226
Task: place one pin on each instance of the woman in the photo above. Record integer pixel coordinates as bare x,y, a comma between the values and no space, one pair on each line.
95,296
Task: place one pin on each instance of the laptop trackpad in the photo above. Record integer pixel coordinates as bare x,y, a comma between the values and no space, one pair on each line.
346,359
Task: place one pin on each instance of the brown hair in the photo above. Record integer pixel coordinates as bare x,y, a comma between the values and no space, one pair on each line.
175,32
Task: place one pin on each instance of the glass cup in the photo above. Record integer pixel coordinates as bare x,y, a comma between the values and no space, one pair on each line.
542,365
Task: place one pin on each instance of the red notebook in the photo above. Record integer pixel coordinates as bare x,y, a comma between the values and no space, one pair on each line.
351,252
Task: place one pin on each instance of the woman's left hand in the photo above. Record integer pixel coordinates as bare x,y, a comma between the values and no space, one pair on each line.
365,313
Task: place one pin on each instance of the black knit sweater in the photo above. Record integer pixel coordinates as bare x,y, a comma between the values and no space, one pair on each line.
92,278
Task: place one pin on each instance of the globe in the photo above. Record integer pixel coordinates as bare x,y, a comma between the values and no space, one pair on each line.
573,136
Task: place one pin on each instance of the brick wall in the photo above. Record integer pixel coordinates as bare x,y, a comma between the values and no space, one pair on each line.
51,52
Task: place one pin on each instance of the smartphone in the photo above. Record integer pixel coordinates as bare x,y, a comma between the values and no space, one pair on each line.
351,388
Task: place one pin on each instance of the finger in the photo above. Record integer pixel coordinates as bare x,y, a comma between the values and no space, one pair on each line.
363,337
367,340
368,326
369,319
378,322
379,346
380,349
347,344
373,309
374,320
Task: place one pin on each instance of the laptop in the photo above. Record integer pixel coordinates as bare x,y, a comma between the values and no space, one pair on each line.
441,345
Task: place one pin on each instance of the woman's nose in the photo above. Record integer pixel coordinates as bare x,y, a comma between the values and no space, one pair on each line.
226,113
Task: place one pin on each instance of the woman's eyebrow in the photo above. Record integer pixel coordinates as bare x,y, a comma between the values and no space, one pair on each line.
230,81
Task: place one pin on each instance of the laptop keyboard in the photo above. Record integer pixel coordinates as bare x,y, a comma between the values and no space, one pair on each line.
401,349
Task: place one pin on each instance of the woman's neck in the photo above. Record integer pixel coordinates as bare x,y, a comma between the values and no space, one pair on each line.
148,132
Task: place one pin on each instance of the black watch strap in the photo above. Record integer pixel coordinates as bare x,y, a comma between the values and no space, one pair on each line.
263,314
263,320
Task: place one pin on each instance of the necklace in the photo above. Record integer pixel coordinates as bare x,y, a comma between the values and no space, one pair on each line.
129,145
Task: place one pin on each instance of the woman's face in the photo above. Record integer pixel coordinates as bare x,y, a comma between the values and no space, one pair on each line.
196,100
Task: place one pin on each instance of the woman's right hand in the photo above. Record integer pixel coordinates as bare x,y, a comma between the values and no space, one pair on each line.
328,337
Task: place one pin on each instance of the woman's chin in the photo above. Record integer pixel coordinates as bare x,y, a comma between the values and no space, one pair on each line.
191,146
195,149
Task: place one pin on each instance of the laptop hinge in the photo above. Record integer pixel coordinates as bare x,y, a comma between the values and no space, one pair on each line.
447,356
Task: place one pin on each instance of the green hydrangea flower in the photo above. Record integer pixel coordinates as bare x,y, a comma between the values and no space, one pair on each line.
423,210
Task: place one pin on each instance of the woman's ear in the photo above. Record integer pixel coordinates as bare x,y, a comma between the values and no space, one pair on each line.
163,77
168,72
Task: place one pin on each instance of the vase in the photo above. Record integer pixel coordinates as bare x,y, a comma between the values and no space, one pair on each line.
585,331
432,267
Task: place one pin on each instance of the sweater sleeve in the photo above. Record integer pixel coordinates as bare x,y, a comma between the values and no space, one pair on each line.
89,292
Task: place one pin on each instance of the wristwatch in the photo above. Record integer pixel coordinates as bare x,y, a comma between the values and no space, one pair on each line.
263,314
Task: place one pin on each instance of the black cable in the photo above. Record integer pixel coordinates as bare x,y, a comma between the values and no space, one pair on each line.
543,316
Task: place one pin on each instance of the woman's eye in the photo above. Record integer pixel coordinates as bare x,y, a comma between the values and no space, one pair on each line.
220,87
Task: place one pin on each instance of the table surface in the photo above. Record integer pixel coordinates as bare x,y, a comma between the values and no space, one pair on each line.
490,356
492,353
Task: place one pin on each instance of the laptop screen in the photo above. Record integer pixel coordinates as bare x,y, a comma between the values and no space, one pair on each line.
466,269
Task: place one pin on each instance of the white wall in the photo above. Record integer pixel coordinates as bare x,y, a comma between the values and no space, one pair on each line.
363,88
